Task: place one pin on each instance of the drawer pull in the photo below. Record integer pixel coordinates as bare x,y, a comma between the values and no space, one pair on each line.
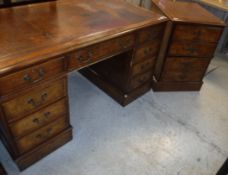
44,136
37,121
34,103
123,45
49,130
47,114
29,78
85,59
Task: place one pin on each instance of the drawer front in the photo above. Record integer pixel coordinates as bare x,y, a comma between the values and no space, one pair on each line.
144,66
192,49
197,33
39,119
151,33
34,139
146,51
31,101
93,53
45,149
184,69
141,79
29,76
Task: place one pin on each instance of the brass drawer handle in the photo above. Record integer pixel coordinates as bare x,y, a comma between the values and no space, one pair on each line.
86,59
49,130
38,103
36,121
44,136
41,73
47,114
124,44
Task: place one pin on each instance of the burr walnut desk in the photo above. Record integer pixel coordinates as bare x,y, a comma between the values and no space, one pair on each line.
189,43
41,43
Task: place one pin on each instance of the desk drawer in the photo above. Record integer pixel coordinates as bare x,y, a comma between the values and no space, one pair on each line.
34,139
93,53
144,66
39,119
192,49
197,33
32,75
184,69
141,79
33,100
151,33
146,51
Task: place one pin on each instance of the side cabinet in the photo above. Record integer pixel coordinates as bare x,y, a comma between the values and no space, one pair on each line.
190,40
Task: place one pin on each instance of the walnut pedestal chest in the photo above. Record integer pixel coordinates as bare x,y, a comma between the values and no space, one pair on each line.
190,39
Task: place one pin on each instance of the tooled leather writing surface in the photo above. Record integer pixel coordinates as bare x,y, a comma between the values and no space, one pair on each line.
40,31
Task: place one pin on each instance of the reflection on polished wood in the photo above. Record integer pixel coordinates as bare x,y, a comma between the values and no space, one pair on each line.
41,43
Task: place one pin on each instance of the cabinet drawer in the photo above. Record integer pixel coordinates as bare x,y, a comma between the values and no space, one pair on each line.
39,119
184,69
191,49
151,33
32,75
143,66
34,139
140,79
93,53
146,51
197,33
46,148
33,100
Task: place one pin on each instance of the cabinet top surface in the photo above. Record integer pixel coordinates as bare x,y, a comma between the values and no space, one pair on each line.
187,12
36,32
220,4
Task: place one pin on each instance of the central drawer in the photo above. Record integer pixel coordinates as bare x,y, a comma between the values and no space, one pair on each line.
94,53
39,119
34,139
33,100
